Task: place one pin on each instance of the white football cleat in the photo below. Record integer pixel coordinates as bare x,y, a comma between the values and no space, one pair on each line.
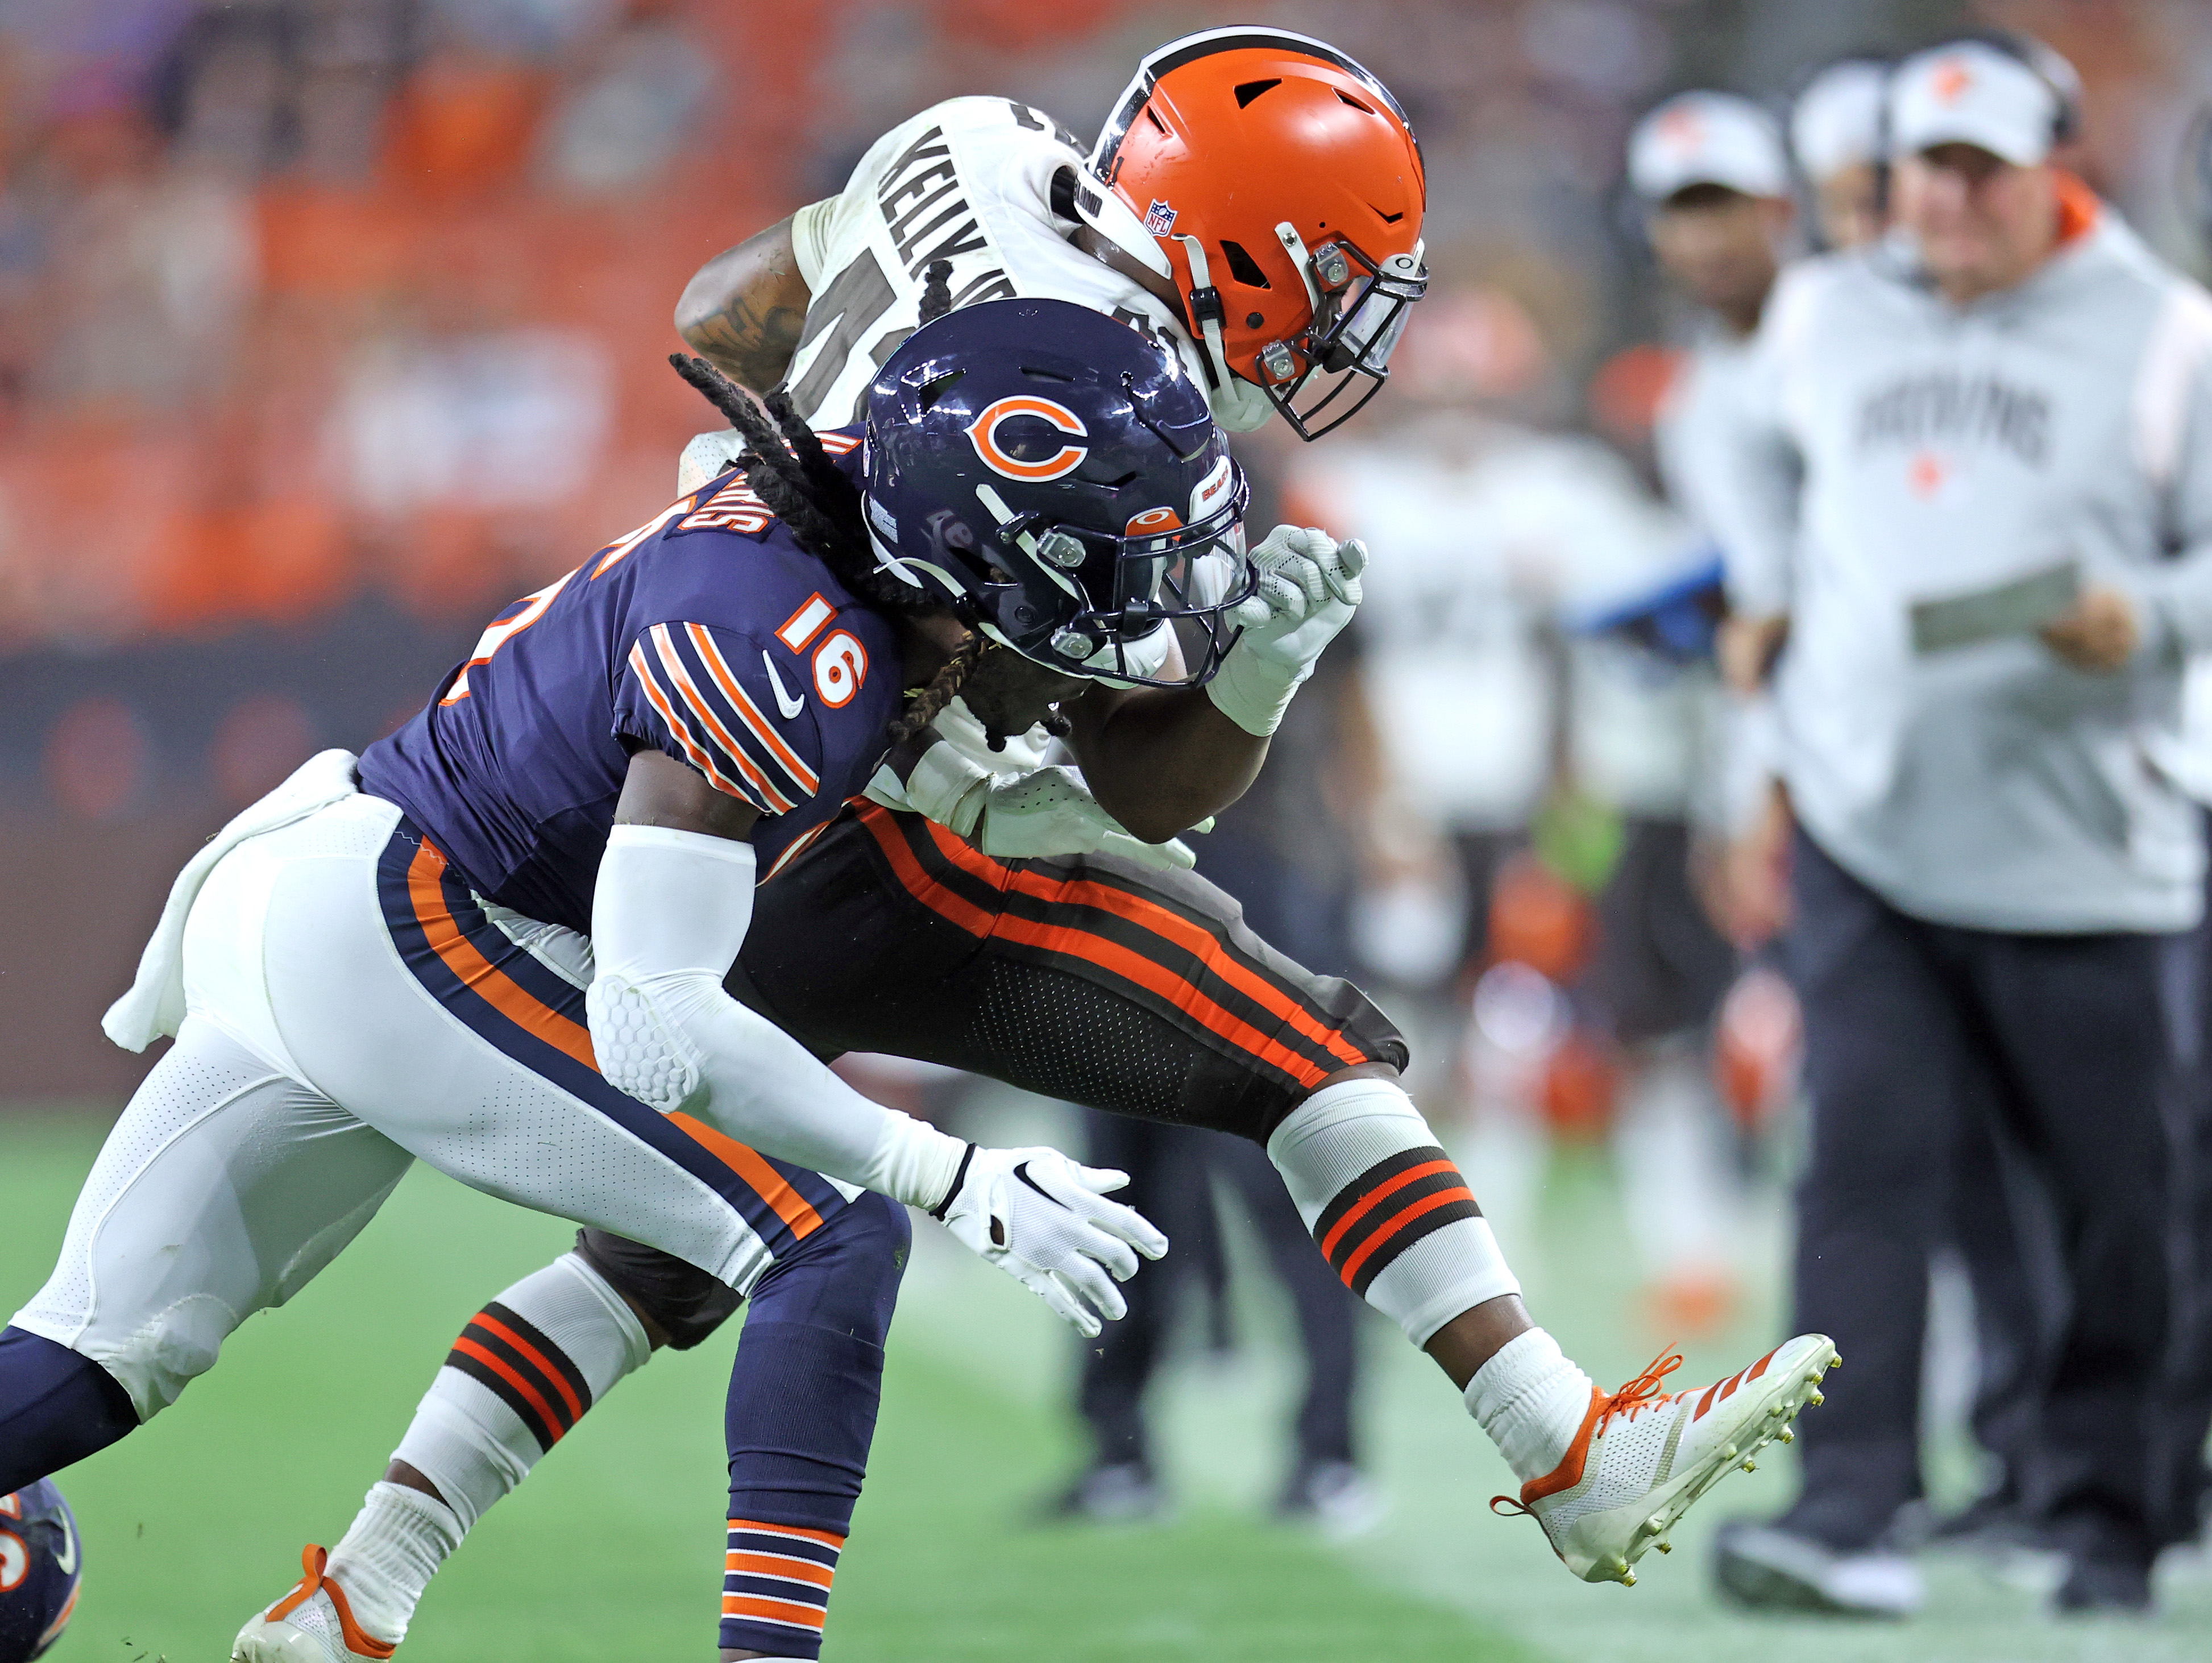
311,1624
1642,1458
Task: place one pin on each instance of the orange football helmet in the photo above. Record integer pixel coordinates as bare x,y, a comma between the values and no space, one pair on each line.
1284,192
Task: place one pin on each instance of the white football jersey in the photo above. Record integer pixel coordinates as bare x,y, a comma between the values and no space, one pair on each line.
969,180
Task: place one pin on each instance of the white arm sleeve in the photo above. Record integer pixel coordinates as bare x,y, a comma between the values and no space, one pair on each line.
669,912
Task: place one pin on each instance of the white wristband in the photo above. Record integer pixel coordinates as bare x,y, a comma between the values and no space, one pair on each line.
1252,693
914,1162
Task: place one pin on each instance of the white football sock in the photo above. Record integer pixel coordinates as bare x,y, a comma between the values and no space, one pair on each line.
1387,1206
1532,1401
397,1543
522,1373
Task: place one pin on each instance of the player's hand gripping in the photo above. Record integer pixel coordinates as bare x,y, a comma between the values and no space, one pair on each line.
1041,1219
1309,589
1047,811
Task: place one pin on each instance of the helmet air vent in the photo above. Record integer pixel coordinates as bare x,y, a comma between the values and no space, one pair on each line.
1252,90
1244,267
938,387
1344,97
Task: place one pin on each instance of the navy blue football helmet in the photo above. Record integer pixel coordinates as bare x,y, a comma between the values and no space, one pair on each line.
40,1566
1057,478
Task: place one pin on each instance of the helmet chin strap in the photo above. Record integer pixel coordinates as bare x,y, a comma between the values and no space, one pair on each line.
1205,313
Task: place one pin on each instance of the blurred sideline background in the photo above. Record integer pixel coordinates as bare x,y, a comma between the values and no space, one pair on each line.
327,326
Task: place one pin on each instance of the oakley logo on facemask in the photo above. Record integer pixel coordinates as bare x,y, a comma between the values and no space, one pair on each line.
983,434
1152,522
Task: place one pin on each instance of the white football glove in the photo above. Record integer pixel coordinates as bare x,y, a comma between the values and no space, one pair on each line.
1044,811
1039,1217
1309,589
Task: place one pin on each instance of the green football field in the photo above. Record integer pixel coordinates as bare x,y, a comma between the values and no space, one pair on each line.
612,1551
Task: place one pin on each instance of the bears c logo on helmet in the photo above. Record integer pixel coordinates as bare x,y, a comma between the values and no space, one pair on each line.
983,434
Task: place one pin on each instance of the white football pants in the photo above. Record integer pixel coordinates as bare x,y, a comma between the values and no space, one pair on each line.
351,1007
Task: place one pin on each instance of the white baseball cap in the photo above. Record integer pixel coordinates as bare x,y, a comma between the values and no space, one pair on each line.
1707,139
1970,93
1836,122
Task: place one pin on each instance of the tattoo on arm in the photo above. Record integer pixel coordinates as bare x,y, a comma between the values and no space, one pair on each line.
749,341
744,310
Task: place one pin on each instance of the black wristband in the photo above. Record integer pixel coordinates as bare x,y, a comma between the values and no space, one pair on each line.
959,1176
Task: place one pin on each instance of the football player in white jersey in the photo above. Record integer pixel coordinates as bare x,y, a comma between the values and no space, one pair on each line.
1254,204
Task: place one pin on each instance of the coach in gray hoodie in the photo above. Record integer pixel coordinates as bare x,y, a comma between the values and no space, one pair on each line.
1975,499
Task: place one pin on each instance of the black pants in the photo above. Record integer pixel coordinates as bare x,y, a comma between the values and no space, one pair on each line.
1088,979
1173,1176
1172,1171
2068,1043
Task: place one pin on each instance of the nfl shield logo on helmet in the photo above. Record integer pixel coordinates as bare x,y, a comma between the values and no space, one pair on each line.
1159,218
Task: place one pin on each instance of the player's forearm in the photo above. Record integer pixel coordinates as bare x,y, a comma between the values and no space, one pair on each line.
1162,759
742,311
671,909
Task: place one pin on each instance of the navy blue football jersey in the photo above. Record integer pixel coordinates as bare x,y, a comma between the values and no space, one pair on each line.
706,633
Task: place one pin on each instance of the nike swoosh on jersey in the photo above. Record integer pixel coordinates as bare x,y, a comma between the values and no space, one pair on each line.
66,1555
784,702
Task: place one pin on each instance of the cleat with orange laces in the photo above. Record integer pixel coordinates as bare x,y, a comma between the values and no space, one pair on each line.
311,1624
1642,1456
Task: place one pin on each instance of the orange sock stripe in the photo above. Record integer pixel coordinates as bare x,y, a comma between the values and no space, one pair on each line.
1383,1232
773,1611
426,889
499,1366
537,1360
828,1538
774,1564
1369,1202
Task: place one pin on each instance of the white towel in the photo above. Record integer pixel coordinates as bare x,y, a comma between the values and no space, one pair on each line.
154,1007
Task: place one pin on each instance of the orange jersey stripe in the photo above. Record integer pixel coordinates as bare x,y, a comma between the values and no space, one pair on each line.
1369,1202
688,691
1383,1232
1172,926
501,1366
774,1611
829,1538
787,1203
505,995
553,1377
692,748
749,712
773,1564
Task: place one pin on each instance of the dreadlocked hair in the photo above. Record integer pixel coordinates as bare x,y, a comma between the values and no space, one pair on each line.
936,292
787,467
924,704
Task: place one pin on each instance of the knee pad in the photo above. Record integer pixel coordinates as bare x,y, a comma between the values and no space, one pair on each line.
687,1303
843,1276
